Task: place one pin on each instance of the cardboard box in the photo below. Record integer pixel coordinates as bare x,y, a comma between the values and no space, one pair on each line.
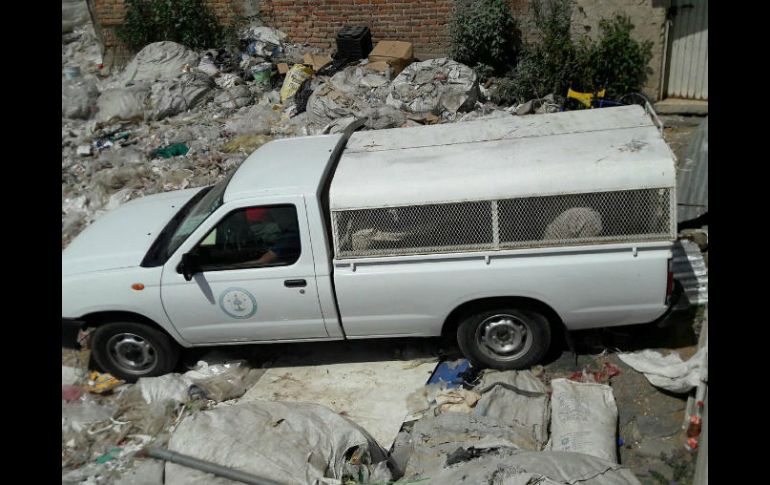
283,68
395,53
316,60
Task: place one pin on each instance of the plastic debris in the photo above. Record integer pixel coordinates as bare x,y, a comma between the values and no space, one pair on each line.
110,455
173,150
99,383
435,86
78,98
294,79
669,372
70,392
245,143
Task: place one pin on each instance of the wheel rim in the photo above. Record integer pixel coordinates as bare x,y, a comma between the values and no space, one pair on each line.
504,337
132,353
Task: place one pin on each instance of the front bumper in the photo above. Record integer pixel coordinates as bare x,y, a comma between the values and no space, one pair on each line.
69,332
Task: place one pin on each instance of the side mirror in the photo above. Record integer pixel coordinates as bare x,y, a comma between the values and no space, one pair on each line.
191,264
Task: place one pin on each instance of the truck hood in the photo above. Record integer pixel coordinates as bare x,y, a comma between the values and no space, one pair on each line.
121,237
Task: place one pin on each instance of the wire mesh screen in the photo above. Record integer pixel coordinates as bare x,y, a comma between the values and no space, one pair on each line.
509,223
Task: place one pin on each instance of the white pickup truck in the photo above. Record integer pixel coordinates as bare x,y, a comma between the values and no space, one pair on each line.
500,232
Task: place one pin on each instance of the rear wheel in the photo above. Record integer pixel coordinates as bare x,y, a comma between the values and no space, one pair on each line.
130,350
504,338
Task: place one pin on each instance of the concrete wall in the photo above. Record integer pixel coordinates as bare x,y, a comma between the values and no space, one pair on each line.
425,23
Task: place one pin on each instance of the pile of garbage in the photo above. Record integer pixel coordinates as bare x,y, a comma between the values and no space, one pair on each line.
512,425
106,423
175,118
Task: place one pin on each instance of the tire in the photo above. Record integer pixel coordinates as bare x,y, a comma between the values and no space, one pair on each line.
504,338
130,350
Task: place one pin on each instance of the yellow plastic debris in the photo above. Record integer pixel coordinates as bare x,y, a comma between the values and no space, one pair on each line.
99,383
294,79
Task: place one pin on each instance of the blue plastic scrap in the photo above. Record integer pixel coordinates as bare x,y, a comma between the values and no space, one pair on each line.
449,372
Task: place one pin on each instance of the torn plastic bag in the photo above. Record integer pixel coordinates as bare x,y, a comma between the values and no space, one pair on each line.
228,80
584,419
327,104
79,415
235,97
382,117
171,387
285,442
434,86
168,98
360,81
517,399
222,382
255,120
434,437
159,60
78,98
122,104
669,372
511,467
263,41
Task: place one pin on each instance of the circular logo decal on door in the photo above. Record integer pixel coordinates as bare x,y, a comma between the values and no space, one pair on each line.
238,303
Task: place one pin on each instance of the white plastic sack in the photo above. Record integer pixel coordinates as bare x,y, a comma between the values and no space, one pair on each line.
584,419
435,437
170,387
159,60
284,442
122,104
517,399
669,372
434,86
171,97
78,98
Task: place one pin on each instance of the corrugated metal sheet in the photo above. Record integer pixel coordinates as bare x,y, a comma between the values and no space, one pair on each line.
690,270
689,60
692,177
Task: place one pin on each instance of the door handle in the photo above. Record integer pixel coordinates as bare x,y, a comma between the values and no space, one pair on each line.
294,283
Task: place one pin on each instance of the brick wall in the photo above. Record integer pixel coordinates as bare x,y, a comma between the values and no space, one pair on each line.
425,23
108,14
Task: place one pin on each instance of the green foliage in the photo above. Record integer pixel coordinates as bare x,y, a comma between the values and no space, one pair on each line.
555,62
188,22
547,65
484,33
617,61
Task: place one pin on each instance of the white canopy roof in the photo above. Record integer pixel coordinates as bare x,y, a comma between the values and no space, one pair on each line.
549,154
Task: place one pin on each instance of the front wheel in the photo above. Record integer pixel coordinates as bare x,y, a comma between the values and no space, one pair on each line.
130,350
504,338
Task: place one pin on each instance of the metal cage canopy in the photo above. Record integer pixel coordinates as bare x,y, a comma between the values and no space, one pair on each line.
568,178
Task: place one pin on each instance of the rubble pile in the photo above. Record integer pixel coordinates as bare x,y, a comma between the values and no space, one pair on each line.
175,118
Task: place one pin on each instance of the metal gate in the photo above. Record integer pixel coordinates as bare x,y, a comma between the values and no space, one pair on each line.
688,50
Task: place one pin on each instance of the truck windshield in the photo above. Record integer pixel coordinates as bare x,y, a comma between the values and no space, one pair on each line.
199,212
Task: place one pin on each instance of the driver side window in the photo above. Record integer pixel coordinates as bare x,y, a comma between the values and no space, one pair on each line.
252,237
